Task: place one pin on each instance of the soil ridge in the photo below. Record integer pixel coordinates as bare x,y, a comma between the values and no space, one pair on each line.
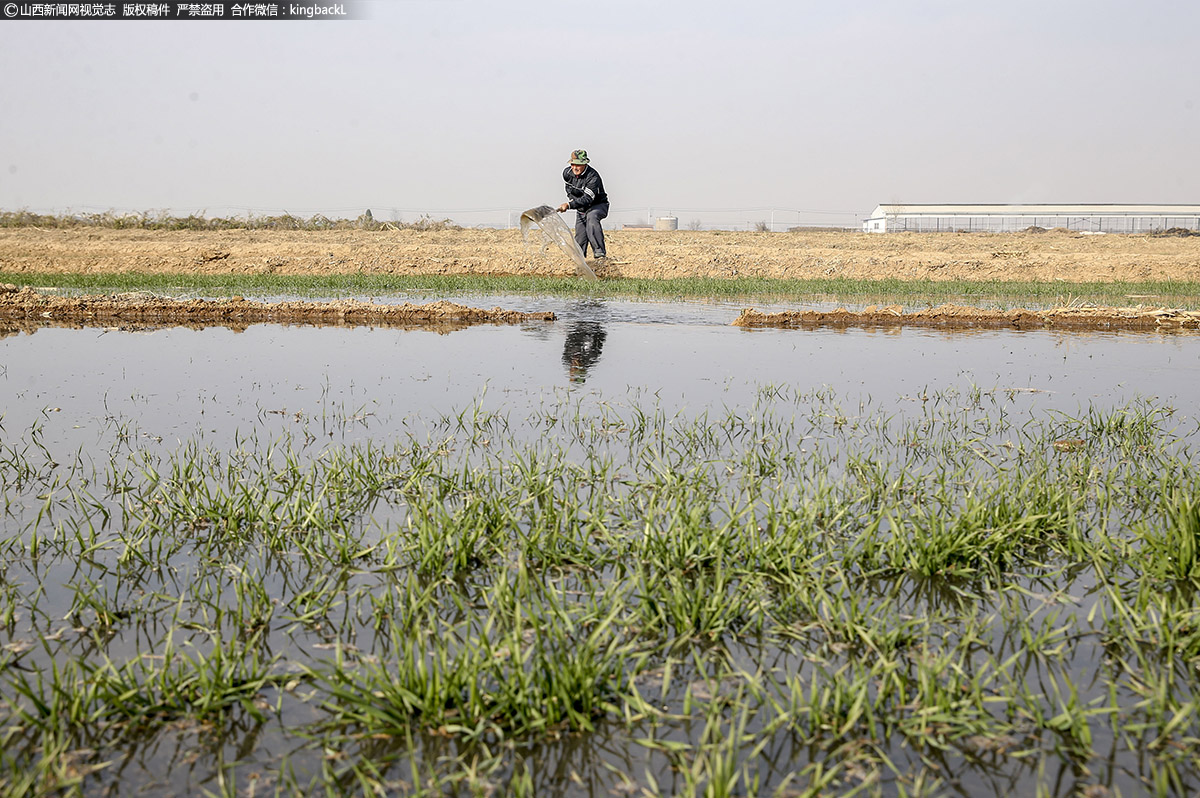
27,304
1075,317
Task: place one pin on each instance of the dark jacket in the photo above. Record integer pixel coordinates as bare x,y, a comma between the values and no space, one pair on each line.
584,191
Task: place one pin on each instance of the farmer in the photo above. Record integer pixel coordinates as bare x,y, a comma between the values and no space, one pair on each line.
585,196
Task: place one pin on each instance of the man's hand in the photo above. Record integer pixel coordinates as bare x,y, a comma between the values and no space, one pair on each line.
562,208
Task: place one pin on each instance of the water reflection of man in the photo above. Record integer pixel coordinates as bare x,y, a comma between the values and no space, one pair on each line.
585,196
585,339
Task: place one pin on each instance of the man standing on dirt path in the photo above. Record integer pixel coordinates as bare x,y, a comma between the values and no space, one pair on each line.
585,196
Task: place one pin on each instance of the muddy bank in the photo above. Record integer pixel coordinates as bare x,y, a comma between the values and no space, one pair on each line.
1085,317
1021,257
31,307
28,309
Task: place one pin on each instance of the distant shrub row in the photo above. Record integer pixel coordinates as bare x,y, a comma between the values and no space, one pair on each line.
162,221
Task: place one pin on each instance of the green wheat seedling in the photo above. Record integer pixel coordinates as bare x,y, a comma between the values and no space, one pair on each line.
1171,543
203,685
502,681
804,594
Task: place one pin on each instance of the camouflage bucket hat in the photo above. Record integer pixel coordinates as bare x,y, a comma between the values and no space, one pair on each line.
579,157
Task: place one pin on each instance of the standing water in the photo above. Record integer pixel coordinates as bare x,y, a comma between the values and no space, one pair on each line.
638,550
555,231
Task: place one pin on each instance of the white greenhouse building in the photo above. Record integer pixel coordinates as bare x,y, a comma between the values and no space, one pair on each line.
1008,218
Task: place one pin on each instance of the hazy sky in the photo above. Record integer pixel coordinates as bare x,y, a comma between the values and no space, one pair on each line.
716,111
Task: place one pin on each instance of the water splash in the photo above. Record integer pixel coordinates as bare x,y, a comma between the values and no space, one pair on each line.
554,231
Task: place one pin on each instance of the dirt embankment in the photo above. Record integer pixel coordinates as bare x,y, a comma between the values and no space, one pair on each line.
1081,317
31,308
1054,255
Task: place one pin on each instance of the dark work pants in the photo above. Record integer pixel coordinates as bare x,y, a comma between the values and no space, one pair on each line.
588,229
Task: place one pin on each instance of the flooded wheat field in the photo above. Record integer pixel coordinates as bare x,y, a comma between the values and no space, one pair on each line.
629,550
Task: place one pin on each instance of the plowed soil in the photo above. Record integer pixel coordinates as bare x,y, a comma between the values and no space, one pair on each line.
1053,255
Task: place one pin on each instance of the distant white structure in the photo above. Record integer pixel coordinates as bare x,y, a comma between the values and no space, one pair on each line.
1007,218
